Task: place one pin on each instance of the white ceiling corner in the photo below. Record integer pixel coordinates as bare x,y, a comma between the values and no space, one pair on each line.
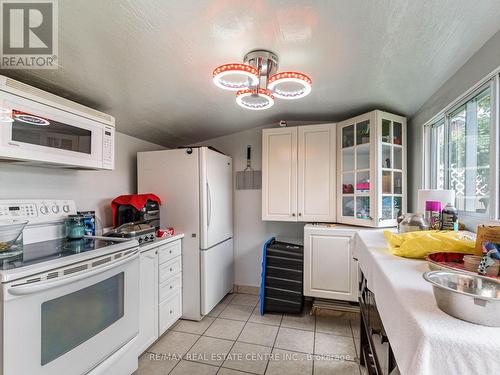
149,62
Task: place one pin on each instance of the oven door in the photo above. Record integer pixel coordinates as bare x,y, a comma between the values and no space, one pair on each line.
49,135
71,325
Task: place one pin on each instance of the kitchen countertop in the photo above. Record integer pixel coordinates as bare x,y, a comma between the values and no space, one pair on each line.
424,339
160,241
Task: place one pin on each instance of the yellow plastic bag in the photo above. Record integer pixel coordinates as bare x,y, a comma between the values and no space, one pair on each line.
422,243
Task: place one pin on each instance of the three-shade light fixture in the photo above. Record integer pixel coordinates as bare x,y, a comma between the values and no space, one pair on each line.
257,81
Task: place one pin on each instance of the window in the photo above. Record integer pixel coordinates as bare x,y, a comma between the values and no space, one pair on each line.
460,152
438,154
74,318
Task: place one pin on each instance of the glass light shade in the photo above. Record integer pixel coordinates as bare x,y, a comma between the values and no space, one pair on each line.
250,99
290,85
235,77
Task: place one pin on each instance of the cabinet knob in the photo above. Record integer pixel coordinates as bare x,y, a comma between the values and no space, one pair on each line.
300,214
293,214
171,286
171,311
171,269
170,251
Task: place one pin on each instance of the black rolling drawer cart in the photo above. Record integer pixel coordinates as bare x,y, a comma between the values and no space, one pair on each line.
282,277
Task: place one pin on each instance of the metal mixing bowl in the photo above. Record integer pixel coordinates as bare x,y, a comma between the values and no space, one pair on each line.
472,298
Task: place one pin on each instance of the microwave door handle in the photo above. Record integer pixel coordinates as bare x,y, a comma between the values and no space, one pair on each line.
46,285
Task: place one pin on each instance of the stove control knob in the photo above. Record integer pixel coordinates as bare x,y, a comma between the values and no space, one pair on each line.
66,208
140,239
55,209
44,210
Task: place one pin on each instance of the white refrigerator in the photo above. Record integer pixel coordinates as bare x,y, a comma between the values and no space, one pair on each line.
195,187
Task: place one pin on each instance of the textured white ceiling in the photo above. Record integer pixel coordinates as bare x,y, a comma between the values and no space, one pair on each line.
149,62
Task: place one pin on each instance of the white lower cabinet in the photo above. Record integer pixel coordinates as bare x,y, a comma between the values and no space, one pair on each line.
170,286
330,269
160,292
170,282
148,297
170,311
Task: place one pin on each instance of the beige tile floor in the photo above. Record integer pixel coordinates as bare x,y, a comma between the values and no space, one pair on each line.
234,339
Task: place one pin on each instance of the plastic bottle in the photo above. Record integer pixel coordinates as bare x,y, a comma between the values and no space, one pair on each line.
433,214
449,218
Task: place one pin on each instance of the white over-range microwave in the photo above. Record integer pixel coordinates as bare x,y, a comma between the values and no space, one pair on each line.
39,128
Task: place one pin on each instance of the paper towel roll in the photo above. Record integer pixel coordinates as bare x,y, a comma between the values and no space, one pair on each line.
443,196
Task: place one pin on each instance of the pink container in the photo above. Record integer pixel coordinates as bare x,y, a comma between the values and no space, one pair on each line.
433,214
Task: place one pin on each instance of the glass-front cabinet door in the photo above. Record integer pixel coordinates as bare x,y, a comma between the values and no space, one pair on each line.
355,164
391,167
371,169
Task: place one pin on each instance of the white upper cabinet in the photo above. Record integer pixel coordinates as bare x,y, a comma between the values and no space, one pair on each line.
371,169
298,173
279,174
316,173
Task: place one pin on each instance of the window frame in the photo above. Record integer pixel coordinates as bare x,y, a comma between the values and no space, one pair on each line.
431,150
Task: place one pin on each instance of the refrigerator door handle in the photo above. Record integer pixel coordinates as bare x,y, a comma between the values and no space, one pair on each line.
209,202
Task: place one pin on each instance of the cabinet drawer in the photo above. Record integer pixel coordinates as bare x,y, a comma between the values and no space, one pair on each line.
171,286
169,251
170,311
284,273
169,269
290,263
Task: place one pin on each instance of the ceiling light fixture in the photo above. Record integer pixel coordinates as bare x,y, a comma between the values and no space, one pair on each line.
257,81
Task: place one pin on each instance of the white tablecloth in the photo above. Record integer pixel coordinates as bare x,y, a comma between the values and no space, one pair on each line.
425,340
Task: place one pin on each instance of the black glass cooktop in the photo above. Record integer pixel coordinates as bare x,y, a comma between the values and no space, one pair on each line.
53,249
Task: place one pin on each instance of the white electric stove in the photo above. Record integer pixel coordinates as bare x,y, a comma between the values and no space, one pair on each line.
69,307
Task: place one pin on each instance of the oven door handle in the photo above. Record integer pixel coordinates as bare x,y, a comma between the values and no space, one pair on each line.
42,286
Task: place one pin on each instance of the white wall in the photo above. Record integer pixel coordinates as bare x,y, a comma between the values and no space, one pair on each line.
250,232
91,190
483,62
